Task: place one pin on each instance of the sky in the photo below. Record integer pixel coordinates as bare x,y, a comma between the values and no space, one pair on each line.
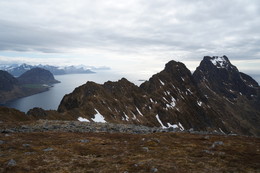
137,36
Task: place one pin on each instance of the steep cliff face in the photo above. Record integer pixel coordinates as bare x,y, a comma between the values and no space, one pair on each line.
233,95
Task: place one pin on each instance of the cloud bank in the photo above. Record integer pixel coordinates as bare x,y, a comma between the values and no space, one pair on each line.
130,34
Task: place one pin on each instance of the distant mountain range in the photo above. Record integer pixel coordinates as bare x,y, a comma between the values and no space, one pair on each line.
18,69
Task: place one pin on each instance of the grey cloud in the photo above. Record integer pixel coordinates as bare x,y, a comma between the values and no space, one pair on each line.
140,25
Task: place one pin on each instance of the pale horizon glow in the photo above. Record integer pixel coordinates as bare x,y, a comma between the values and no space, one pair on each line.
135,37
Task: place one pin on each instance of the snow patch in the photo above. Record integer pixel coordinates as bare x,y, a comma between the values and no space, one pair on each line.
83,119
175,126
126,117
165,99
199,103
158,119
134,117
219,62
221,130
162,82
98,117
173,86
139,111
182,128
172,104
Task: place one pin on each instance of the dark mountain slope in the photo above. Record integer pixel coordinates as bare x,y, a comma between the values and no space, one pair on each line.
37,76
31,82
232,94
12,115
7,81
169,99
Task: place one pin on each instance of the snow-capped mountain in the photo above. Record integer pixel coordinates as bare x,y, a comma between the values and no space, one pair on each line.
16,69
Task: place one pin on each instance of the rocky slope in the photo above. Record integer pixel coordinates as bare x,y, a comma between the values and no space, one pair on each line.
12,115
175,98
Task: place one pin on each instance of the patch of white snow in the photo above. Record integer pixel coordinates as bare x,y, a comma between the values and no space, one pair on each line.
134,117
199,103
221,130
98,117
126,117
162,82
158,119
175,126
83,119
165,99
172,104
219,62
182,128
139,111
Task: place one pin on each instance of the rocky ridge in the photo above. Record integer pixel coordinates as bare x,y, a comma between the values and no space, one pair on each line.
175,98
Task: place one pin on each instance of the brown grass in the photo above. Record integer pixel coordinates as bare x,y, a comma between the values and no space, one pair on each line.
105,152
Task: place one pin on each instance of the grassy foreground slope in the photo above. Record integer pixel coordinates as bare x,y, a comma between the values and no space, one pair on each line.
121,152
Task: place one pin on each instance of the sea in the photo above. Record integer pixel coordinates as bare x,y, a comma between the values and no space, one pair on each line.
51,99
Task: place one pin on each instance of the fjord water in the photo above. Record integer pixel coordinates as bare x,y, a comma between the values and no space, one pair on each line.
51,98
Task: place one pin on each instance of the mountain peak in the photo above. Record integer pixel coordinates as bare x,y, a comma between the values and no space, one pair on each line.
174,65
37,76
221,62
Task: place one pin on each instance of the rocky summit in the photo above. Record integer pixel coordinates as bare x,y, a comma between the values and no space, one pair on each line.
216,97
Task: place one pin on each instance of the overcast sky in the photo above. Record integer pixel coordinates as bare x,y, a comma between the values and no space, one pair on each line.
133,35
